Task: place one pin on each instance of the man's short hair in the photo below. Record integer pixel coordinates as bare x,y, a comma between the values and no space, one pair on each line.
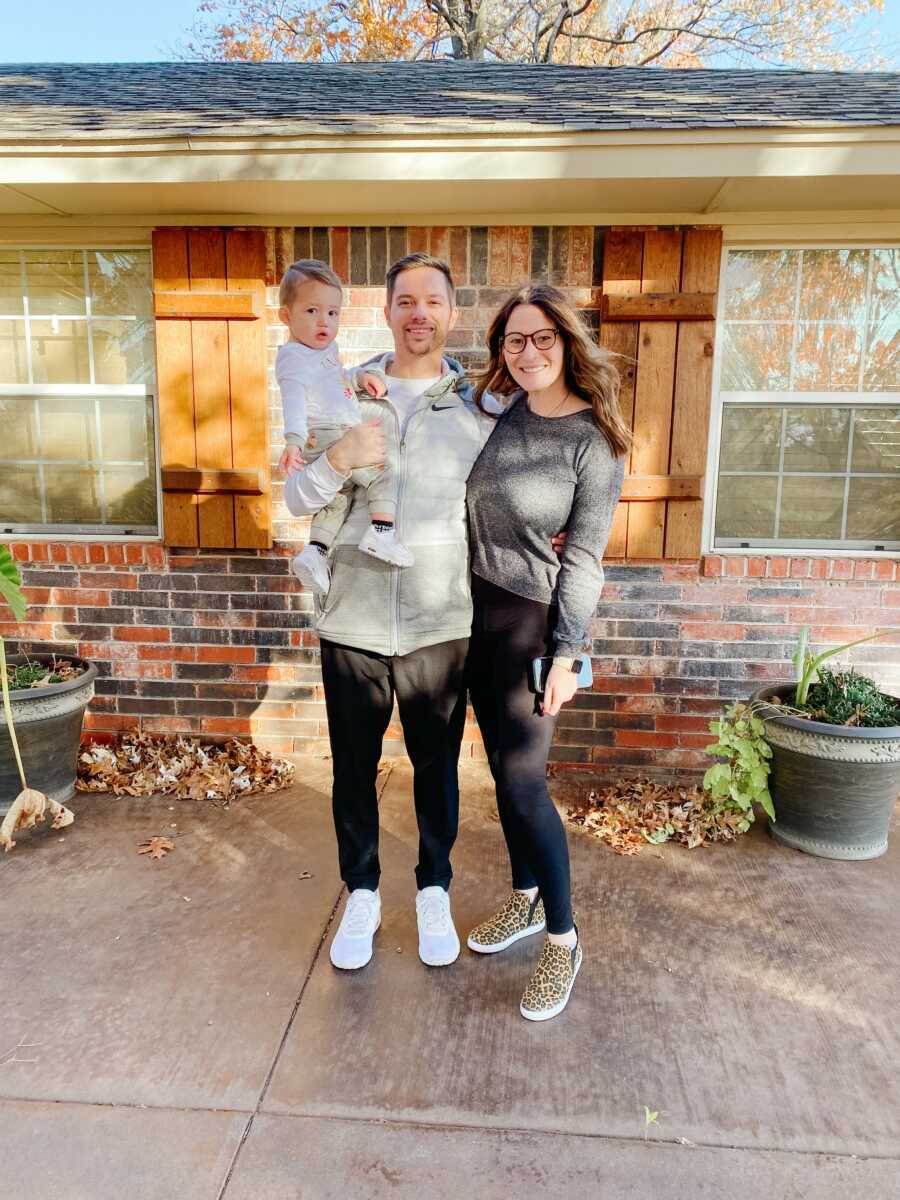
419,259
300,272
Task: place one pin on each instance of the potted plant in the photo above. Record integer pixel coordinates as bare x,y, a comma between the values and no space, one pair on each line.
44,700
835,740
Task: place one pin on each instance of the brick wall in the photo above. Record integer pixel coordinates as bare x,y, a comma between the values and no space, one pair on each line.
217,643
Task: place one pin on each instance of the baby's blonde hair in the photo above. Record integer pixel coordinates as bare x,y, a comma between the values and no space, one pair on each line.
301,271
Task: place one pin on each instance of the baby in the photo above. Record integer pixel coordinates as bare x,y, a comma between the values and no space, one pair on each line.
319,401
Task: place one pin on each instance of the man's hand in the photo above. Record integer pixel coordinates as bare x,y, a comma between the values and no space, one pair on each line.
361,446
291,460
558,542
373,385
561,686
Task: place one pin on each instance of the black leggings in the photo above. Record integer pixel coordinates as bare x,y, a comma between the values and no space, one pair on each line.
508,631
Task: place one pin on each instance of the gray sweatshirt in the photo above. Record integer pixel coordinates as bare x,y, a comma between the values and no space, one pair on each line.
535,476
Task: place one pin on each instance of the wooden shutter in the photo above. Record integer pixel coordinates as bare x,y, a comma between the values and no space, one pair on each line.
209,287
657,310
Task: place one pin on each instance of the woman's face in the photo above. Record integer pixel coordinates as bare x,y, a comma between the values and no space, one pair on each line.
534,369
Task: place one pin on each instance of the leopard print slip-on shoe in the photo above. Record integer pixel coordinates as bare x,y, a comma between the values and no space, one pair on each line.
519,917
549,988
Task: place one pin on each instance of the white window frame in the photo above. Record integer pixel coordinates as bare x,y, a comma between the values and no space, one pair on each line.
785,547
45,531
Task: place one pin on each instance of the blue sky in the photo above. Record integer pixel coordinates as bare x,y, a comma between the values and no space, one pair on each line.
147,31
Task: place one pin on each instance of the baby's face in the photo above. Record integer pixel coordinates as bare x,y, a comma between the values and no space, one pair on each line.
314,314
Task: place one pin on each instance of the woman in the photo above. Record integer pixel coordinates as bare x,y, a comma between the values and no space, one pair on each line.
554,462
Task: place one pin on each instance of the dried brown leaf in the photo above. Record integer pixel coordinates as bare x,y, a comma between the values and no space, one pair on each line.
156,847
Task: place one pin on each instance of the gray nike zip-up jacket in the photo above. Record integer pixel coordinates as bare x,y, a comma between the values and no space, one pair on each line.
391,610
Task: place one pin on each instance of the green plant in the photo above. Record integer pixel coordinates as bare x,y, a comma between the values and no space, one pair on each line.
30,806
845,698
807,664
743,779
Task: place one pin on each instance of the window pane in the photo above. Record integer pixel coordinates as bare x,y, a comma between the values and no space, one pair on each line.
756,358
11,283
73,495
751,438
883,344
761,284
123,351
876,439
68,428
816,439
746,506
130,495
20,495
120,283
126,431
833,285
827,358
59,352
811,507
873,510
55,283
18,429
13,355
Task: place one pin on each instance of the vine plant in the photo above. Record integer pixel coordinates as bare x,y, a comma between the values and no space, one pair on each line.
743,778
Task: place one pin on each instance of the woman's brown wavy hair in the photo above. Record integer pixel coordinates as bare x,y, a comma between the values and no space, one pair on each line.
589,370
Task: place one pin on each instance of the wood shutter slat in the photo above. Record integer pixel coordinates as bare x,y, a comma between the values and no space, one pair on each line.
654,391
693,392
245,257
175,381
622,257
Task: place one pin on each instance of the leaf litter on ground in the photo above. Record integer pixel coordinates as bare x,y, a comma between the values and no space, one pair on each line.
632,813
137,764
157,847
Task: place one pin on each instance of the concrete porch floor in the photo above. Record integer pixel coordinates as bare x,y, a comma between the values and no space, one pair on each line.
182,1033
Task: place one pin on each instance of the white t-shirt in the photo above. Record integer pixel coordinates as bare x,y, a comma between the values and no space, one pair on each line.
405,394
315,389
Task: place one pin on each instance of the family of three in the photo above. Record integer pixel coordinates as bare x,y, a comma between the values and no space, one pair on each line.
458,538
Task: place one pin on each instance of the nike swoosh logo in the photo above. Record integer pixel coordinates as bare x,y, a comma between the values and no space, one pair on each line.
442,407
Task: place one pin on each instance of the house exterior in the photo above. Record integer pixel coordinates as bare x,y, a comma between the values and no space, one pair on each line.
735,236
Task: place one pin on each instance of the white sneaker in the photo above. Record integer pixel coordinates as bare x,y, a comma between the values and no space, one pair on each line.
383,544
351,947
438,943
312,569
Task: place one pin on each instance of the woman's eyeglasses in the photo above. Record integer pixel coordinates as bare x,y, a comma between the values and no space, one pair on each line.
515,343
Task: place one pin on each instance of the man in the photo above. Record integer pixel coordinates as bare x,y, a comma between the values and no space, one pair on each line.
388,632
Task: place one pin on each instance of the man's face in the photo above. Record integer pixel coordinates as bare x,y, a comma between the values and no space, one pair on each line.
420,314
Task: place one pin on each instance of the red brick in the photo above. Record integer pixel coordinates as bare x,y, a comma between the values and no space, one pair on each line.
27,630
142,633
167,653
639,704
711,631
340,251
616,684
519,253
756,568
799,568
841,568
39,552
115,554
110,722
862,568
96,553
122,580
417,238
264,674
228,725
115,651
884,569
778,568
582,255
226,654
439,242
498,261
142,670
682,724
892,597
735,566
169,725
86,597
712,567
644,739
818,568
59,553
134,554
37,595
680,572
155,555
695,741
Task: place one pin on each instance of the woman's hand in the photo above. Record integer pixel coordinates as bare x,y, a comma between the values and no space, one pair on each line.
558,542
291,460
561,686
361,446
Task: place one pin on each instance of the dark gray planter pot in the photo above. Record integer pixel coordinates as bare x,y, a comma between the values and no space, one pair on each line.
48,724
834,787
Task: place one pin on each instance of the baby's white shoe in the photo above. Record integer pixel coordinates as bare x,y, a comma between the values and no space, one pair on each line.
384,544
312,569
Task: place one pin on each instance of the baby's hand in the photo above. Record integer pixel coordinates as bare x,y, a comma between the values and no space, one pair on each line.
291,460
373,384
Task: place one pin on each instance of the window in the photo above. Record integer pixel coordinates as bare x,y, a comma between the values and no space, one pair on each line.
77,385
808,382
